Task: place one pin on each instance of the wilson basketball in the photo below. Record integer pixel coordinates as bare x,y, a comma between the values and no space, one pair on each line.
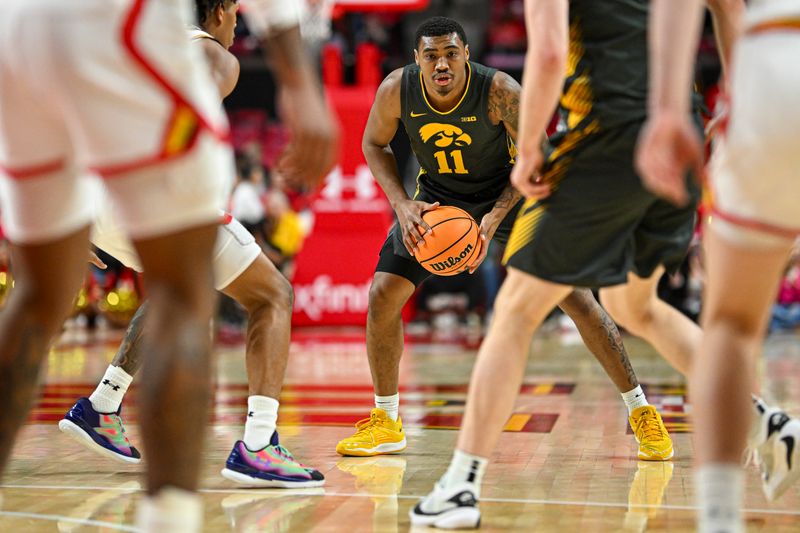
454,243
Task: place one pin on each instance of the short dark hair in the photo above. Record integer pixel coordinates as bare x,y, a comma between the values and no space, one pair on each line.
206,7
436,26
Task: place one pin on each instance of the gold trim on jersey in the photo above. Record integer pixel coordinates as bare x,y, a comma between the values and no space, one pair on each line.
559,159
416,191
578,97
181,131
524,229
512,149
466,90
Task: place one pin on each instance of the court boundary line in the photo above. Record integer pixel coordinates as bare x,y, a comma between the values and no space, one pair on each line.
61,518
297,492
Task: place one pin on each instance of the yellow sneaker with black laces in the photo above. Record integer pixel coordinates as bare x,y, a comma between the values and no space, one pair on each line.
375,435
651,434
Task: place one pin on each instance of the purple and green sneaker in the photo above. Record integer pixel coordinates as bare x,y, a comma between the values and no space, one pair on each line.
272,466
100,432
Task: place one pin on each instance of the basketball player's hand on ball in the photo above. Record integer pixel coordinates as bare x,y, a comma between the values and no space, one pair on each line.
488,226
313,147
414,228
526,177
669,146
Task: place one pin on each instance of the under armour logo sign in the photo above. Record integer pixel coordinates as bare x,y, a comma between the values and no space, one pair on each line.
107,382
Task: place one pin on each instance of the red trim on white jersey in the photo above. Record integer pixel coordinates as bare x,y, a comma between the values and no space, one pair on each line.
128,38
757,225
22,173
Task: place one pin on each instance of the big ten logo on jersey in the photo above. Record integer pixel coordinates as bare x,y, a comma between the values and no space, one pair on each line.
353,193
452,139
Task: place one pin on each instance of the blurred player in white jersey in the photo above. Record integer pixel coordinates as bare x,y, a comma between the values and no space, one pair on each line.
755,189
242,272
115,89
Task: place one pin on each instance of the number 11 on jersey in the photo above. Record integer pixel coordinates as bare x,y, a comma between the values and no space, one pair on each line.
444,166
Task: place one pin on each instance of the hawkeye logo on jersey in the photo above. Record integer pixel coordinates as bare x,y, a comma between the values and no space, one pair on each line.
444,135
469,119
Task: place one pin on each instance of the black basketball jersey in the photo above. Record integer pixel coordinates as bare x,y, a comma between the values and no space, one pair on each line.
606,81
460,152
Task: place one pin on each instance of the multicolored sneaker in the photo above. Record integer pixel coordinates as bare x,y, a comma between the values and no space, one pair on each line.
651,434
375,435
271,466
102,433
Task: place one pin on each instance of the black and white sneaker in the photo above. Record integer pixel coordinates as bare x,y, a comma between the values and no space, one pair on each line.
782,467
454,508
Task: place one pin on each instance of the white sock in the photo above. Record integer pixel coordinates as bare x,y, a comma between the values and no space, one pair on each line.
719,488
390,404
262,415
465,468
171,509
107,397
634,399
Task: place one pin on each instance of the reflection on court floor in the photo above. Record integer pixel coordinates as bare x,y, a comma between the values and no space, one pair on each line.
567,461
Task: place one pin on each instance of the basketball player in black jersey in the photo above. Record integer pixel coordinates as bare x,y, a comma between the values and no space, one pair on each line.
461,118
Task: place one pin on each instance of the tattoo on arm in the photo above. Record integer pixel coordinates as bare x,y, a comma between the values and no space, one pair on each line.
128,356
504,102
508,198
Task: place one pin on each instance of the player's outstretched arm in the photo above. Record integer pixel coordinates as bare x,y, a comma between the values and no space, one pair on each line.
669,145
313,148
547,24
727,16
382,124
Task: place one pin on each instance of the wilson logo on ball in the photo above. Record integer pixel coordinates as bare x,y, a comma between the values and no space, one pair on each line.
450,262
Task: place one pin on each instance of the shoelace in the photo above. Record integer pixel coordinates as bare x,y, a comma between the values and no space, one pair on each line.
363,426
649,427
286,454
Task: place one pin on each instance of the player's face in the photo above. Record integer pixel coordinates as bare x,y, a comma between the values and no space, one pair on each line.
443,61
226,15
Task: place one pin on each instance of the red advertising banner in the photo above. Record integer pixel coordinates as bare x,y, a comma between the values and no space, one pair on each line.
351,219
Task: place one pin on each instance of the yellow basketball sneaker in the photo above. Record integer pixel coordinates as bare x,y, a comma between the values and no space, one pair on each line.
375,435
651,434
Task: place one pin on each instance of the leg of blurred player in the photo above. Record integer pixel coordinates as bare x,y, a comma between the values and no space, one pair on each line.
32,318
636,307
734,323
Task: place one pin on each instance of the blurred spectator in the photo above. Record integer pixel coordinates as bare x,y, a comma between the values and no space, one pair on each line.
786,311
246,202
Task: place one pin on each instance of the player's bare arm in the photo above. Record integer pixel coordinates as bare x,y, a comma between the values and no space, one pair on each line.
224,66
382,124
669,144
545,61
503,108
313,148
727,16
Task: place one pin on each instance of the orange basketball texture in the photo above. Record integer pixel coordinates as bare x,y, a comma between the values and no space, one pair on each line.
454,243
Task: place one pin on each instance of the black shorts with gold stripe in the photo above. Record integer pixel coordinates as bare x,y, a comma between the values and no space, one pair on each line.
395,259
599,223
